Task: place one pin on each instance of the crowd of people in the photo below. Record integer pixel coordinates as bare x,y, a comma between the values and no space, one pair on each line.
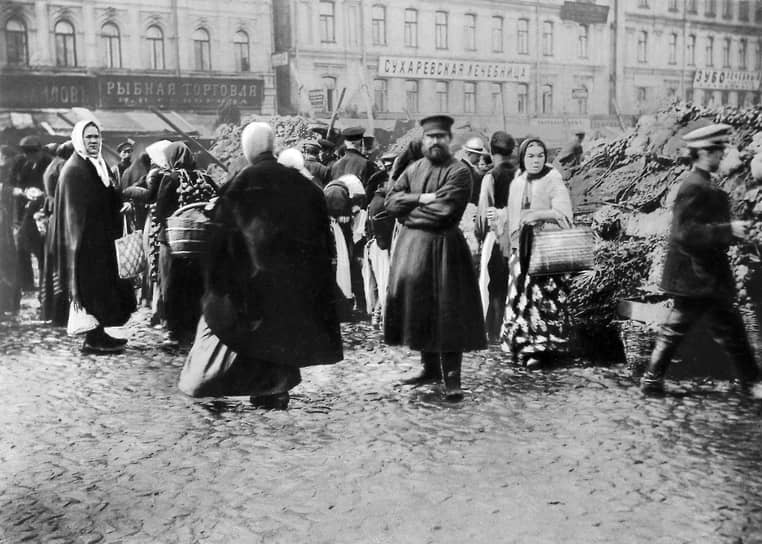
301,239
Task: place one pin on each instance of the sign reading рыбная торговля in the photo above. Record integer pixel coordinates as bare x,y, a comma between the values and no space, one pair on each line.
432,68
177,92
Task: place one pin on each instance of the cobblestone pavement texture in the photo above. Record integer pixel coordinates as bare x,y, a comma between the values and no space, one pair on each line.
106,449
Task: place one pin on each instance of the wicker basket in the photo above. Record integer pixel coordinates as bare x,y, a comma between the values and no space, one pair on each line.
751,324
187,231
638,339
561,251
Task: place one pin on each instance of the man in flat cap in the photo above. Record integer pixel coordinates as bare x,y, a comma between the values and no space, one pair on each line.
125,150
327,154
320,173
433,301
570,155
697,272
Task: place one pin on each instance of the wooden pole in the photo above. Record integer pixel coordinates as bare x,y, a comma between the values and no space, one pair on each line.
335,111
177,129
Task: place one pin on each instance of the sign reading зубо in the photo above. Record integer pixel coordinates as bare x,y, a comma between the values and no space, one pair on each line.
431,68
727,80
177,93
27,91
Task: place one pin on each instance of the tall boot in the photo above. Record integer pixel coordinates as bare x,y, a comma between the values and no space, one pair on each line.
431,373
451,363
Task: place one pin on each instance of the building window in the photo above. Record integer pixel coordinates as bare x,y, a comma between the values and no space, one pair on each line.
743,10
411,95
582,100
241,47
469,97
691,6
758,12
411,28
690,50
378,25
112,50
443,97
522,95
440,30
642,95
710,51
742,54
727,9
497,34
155,38
380,95
547,98
673,48
711,8
496,94
329,86
689,95
202,50
469,32
758,56
16,51
522,34
66,53
327,22
547,38
642,46
724,97
642,3
726,53
582,37
672,5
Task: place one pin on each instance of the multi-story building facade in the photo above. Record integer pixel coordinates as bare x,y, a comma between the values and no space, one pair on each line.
707,51
131,56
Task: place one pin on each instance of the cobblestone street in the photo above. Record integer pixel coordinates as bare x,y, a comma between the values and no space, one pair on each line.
106,449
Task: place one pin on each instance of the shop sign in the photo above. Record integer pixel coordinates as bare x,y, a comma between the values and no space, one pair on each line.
280,59
317,97
579,94
178,93
727,80
46,91
452,69
584,13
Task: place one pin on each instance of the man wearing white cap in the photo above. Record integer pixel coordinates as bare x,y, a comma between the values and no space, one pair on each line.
473,150
697,272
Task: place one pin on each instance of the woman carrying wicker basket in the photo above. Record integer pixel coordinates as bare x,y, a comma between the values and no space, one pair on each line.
536,320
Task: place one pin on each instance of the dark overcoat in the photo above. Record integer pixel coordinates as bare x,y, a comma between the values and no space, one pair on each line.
321,174
353,162
87,221
269,281
697,262
433,299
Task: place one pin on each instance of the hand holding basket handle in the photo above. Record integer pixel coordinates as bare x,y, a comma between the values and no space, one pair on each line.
533,217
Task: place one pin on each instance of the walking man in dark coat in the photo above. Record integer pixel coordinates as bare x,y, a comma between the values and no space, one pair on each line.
269,283
697,272
321,174
433,301
353,161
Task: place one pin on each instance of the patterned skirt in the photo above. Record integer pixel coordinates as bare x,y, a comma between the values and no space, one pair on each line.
536,314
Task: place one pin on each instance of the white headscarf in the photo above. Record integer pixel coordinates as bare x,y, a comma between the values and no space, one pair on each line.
78,141
156,153
293,158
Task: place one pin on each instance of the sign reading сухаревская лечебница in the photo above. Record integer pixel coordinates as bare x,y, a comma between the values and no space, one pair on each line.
127,91
437,68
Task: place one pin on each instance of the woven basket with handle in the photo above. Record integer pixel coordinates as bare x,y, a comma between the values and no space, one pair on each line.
561,251
187,231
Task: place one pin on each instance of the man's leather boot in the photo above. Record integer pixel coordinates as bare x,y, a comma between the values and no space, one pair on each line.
431,373
451,363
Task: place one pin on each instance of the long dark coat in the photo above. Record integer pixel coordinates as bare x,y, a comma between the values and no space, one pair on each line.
353,162
697,263
269,282
433,300
87,221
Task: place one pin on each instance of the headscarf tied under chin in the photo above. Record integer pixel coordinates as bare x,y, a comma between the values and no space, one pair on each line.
78,141
179,157
523,151
157,153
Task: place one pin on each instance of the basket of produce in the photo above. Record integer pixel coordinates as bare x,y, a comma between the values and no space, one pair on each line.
188,231
638,339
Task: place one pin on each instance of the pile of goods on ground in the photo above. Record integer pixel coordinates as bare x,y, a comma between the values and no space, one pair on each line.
625,190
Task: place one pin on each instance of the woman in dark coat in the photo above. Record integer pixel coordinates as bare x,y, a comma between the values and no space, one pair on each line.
54,302
87,221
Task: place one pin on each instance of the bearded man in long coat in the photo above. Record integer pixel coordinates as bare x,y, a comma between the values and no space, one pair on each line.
269,292
433,302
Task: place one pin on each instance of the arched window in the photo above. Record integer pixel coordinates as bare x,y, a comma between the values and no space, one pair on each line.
155,39
112,48
522,98
66,50
582,100
411,95
709,51
15,42
241,46
443,96
690,50
582,37
642,46
547,98
380,95
202,50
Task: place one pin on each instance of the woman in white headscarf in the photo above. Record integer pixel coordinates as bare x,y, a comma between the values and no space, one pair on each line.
87,215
